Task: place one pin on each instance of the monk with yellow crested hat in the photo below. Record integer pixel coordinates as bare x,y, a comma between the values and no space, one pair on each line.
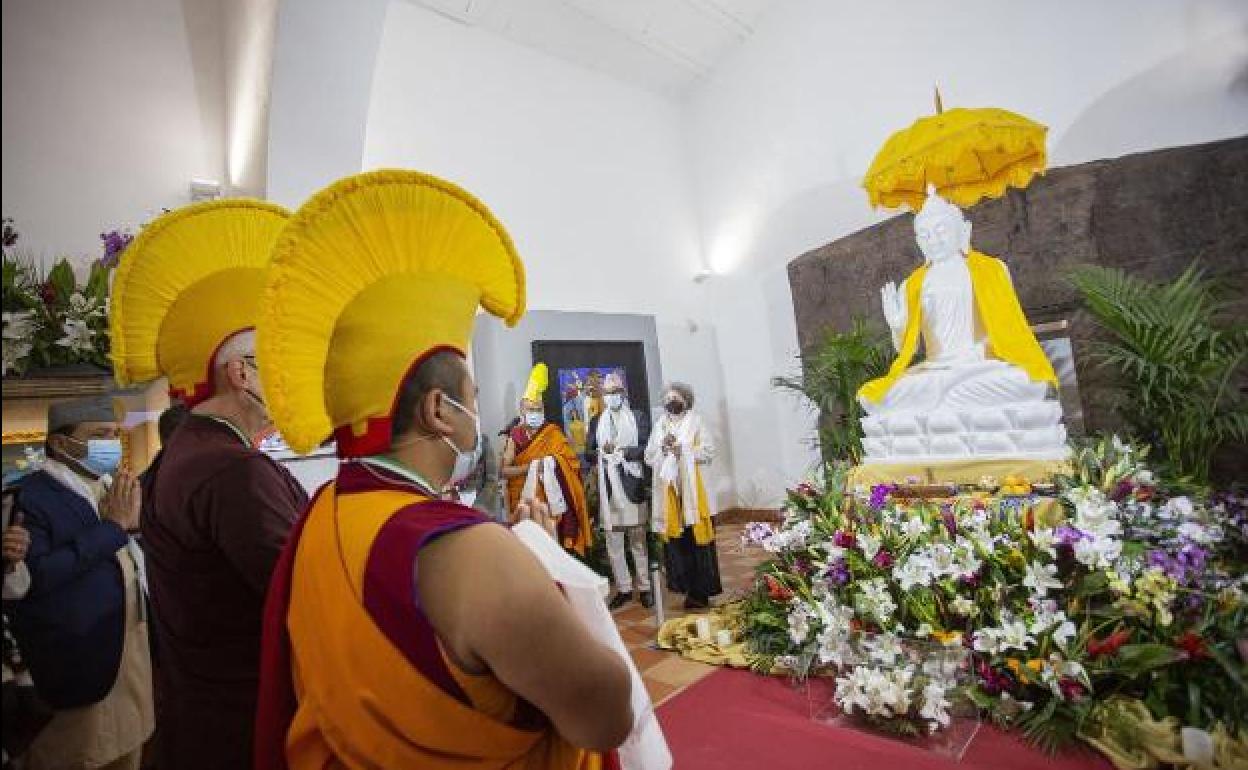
216,511
402,630
539,463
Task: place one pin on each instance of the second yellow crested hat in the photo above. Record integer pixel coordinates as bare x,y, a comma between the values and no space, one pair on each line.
374,274
191,280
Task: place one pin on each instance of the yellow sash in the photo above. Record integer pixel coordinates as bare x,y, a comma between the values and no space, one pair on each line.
1010,338
362,705
674,514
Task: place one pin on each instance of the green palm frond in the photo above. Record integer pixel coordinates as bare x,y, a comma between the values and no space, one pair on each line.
1181,358
832,373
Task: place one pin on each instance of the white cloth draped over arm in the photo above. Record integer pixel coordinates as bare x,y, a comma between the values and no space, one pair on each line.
545,472
16,582
703,445
654,448
645,748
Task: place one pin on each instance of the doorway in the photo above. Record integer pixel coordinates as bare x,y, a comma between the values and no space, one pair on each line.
577,369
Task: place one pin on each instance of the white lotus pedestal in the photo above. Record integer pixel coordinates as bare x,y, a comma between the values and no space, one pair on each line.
964,446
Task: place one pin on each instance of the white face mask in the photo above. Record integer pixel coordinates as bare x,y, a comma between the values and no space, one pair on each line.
465,462
615,401
534,419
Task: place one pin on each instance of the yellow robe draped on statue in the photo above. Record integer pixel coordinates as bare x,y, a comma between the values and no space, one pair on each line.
549,441
1010,338
361,703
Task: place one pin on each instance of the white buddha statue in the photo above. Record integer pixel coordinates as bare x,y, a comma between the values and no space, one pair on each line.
985,387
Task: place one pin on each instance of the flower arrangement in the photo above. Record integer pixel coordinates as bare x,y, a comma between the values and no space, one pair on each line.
1115,591
50,317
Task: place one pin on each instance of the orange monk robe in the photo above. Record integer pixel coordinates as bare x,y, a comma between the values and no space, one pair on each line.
337,694
574,529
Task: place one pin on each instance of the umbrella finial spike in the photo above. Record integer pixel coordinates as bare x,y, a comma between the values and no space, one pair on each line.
940,106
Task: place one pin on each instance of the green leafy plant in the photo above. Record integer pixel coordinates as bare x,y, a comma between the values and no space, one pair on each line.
50,318
1181,356
832,373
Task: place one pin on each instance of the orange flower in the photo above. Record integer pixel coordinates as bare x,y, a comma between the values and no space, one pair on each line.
1109,645
777,590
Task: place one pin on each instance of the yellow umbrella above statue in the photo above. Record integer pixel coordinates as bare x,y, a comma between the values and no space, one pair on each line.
968,154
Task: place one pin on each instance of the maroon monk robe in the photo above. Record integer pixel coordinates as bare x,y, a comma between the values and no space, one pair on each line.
216,513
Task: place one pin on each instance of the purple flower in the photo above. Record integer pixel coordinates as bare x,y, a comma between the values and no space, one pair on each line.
883,559
1068,535
837,573
757,533
115,242
802,566
1186,565
946,516
879,495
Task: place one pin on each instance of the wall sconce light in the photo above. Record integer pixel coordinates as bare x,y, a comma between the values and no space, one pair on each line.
205,190
702,275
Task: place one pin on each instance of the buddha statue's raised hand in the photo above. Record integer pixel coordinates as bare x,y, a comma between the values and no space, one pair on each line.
895,313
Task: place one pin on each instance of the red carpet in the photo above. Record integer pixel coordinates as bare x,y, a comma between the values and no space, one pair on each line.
737,720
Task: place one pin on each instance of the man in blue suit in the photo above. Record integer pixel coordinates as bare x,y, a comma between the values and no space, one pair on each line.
82,625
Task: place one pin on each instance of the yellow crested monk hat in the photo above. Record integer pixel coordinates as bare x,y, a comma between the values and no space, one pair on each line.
373,275
192,279
539,381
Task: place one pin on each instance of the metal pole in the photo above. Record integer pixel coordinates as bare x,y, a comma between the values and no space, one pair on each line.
656,586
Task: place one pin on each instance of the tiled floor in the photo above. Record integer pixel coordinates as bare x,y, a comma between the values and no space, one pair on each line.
666,673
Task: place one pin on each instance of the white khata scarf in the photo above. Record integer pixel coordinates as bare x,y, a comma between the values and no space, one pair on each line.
618,428
682,472
543,472
645,748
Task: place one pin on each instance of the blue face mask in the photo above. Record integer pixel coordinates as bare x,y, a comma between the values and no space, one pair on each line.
103,456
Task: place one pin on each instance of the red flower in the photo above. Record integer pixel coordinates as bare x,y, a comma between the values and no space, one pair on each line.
1193,645
845,539
1029,520
1122,491
1109,645
47,293
777,590
855,624
1071,689
1144,494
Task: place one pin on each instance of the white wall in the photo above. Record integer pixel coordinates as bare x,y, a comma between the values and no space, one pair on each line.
249,28
784,129
322,70
588,175
110,109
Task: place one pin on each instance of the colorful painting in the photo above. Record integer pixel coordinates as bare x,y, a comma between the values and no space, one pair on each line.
580,399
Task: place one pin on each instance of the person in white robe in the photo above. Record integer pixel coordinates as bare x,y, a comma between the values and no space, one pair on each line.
679,451
615,451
